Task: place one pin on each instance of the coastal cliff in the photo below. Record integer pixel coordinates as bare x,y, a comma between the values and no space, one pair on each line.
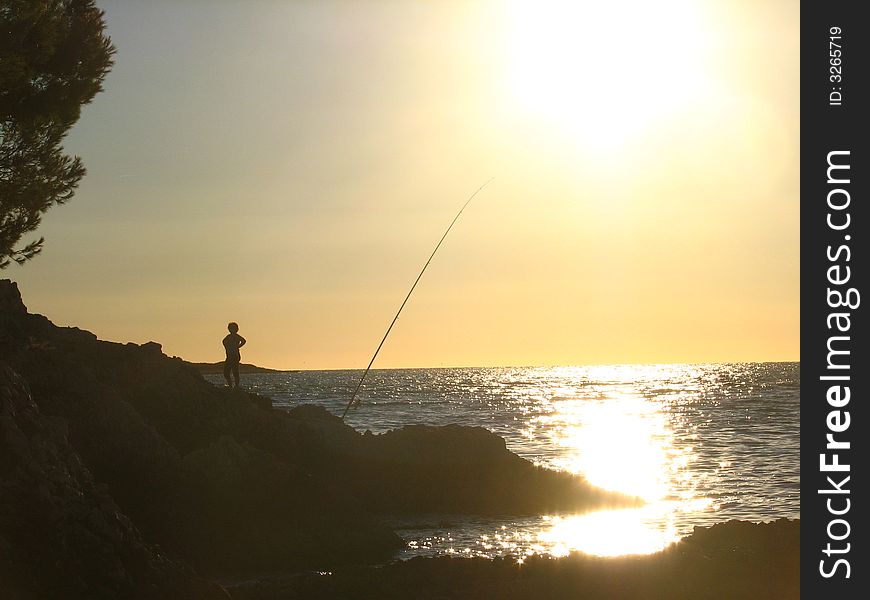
124,471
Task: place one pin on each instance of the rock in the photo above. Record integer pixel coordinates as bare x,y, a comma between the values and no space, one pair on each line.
152,348
682,572
61,535
455,469
11,304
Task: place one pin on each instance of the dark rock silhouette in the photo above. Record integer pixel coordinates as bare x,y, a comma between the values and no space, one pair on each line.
61,534
727,561
456,469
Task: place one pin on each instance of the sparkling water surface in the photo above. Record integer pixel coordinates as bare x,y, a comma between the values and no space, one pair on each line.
701,444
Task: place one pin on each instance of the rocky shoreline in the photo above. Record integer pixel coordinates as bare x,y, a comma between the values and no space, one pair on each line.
733,560
124,474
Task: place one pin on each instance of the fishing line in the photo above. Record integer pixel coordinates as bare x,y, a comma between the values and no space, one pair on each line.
411,291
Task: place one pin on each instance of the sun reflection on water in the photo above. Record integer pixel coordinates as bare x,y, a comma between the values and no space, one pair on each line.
620,440
610,533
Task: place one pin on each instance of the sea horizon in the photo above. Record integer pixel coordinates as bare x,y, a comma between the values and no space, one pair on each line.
540,366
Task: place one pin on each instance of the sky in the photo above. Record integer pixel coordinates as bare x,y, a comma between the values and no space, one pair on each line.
291,165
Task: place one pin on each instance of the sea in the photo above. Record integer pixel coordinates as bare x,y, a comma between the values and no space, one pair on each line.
700,443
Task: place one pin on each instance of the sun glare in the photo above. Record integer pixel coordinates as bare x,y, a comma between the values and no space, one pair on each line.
603,73
610,533
621,444
619,439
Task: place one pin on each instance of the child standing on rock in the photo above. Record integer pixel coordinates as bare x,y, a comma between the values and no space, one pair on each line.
232,343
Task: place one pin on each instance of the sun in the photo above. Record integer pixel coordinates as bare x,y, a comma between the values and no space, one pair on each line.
603,73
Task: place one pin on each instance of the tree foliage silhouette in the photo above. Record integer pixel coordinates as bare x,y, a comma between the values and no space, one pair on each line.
54,55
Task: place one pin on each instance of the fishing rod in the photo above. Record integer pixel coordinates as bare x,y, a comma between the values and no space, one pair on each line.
411,291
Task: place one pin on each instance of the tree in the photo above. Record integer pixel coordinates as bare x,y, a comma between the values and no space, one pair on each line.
54,55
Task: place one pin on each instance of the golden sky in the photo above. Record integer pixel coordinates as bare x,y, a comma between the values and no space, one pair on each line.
291,165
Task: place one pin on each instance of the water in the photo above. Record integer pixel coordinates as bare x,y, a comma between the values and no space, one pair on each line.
700,443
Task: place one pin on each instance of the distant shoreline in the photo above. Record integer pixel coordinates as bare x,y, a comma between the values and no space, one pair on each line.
218,368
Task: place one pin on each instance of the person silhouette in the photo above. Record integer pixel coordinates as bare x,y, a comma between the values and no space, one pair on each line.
232,342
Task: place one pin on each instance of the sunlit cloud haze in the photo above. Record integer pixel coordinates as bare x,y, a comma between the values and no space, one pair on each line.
290,166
